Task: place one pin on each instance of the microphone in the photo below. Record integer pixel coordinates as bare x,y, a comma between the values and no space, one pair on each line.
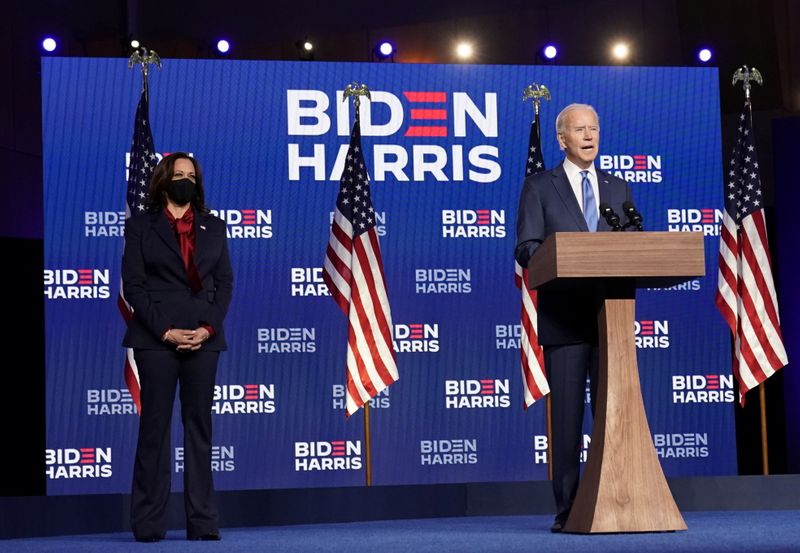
634,217
610,216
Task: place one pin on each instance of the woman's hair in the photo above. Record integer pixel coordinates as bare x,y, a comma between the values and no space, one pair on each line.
162,174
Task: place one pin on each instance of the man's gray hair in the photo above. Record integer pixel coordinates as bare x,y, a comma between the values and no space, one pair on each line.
562,115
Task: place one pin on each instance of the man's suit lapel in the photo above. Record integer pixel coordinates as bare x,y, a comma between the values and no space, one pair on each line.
562,186
604,189
163,230
603,186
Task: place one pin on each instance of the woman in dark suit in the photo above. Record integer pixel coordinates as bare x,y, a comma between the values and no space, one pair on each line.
177,276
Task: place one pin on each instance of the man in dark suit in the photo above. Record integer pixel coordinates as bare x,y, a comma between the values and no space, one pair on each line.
177,276
566,199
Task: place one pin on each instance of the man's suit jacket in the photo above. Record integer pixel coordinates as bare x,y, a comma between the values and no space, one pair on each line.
547,205
156,285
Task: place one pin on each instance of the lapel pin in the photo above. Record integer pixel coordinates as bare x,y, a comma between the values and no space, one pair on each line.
202,227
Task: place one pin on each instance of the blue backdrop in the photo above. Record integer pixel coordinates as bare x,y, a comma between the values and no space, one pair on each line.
785,143
442,142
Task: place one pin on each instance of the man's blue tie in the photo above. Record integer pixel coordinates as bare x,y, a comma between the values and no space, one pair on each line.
589,203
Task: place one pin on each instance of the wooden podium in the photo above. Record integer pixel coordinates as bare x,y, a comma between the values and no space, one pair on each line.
623,488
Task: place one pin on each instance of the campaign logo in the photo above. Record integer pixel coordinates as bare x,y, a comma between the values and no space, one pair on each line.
507,336
473,223
110,401
81,462
686,445
77,284
416,338
651,334
443,281
448,452
486,393
223,459
540,448
103,223
246,223
397,119
688,286
287,340
307,281
339,396
633,168
380,222
322,455
705,220
430,108
703,388
243,399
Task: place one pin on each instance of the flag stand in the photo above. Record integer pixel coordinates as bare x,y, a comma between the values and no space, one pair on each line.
746,295
536,93
548,403
762,394
141,148
746,75
356,93
353,272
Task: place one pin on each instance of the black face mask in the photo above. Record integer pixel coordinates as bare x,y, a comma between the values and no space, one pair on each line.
181,191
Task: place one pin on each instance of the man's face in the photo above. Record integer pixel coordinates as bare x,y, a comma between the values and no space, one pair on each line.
580,138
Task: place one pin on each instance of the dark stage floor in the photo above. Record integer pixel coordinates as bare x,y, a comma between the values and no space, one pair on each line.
752,531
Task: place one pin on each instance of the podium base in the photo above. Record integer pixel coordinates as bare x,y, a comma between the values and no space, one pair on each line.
623,488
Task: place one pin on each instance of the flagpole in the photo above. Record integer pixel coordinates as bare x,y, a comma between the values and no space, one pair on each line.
548,403
762,397
747,75
367,446
535,93
142,140
356,92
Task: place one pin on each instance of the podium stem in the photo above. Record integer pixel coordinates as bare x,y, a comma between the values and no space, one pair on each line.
623,488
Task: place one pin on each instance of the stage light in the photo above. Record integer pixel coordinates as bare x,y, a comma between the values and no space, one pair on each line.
383,51
704,55
621,51
550,51
223,46
49,44
386,49
305,49
464,50
135,43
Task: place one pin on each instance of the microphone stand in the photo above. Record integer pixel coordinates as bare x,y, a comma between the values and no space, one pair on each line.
634,222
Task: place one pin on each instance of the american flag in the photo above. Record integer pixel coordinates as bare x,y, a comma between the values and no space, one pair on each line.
745,292
534,376
140,167
353,271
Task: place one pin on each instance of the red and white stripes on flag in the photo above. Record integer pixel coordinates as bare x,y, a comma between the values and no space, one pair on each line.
130,370
353,271
745,290
534,375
